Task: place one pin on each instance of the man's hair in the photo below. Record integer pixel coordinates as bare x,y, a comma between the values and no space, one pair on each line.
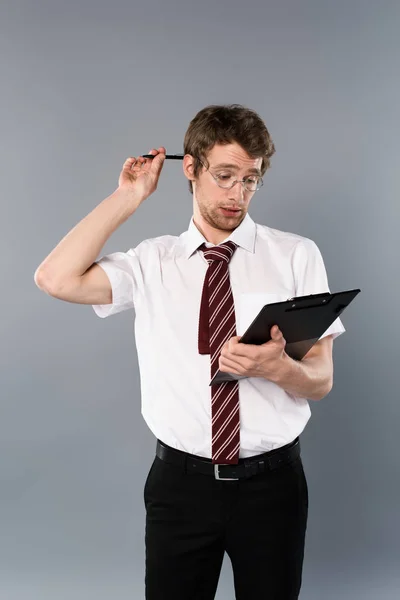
225,124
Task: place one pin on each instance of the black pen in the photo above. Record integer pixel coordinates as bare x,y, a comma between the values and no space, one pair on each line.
174,156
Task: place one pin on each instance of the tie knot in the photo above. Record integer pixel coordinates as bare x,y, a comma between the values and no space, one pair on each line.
222,252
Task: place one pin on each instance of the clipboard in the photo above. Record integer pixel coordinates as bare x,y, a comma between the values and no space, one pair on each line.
302,320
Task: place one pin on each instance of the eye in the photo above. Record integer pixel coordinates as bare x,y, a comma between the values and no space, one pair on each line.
224,176
252,178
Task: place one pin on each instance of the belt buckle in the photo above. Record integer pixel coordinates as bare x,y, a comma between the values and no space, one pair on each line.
216,473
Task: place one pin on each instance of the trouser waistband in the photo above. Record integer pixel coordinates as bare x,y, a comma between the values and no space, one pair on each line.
246,467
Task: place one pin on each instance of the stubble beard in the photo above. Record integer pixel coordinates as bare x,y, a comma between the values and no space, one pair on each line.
218,221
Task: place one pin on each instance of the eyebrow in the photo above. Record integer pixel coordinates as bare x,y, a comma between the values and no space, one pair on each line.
235,167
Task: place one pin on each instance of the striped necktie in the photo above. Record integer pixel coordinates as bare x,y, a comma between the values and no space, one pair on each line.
216,326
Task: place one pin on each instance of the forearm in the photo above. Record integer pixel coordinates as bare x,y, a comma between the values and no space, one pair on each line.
77,251
309,378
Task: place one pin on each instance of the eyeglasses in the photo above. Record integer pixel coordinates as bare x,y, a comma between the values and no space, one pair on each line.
251,183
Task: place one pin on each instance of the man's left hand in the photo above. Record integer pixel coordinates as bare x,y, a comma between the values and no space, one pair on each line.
252,360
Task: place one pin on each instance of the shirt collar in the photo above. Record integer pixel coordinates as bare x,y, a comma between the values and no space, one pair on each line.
244,236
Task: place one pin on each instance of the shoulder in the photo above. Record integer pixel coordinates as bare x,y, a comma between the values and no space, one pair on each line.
285,241
160,246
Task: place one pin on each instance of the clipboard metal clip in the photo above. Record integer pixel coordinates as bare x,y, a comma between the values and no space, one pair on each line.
324,294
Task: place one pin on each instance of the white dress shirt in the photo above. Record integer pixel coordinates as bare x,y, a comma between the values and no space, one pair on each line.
162,279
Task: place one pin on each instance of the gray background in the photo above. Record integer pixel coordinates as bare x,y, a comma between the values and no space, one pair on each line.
83,86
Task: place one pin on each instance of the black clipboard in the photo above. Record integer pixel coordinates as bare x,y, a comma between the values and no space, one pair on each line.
302,320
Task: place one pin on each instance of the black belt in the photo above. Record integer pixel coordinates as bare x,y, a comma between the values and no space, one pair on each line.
246,467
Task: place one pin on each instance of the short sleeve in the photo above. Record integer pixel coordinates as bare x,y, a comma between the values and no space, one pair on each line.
311,277
125,275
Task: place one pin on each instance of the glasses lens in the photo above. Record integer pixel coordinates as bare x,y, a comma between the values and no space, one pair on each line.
252,183
225,181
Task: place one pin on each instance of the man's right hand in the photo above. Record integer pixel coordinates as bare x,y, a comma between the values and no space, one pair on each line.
139,176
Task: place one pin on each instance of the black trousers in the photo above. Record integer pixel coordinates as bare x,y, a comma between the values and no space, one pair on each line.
193,519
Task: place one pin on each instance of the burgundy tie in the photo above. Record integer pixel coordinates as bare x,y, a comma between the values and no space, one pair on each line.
216,325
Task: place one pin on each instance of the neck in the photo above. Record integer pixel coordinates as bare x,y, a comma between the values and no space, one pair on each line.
211,234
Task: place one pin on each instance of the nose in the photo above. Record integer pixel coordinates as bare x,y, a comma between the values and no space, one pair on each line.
237,192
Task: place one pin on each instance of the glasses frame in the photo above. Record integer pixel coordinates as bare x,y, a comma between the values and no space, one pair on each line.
242,181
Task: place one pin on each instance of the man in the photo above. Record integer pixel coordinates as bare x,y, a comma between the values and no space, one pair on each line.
227,475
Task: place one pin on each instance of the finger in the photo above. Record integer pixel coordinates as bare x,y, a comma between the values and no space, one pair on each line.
227,364
136,162
154,152
243,350
147,161
232,343
129,162
157,162
278,336
132,164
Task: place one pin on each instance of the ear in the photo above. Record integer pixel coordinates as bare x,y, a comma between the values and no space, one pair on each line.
188,166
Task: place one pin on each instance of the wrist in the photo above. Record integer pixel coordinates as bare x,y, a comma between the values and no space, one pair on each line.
283,369
127,199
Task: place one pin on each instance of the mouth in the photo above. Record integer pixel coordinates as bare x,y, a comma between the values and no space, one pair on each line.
230,212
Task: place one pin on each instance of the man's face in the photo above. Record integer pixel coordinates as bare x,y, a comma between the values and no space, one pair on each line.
210,200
